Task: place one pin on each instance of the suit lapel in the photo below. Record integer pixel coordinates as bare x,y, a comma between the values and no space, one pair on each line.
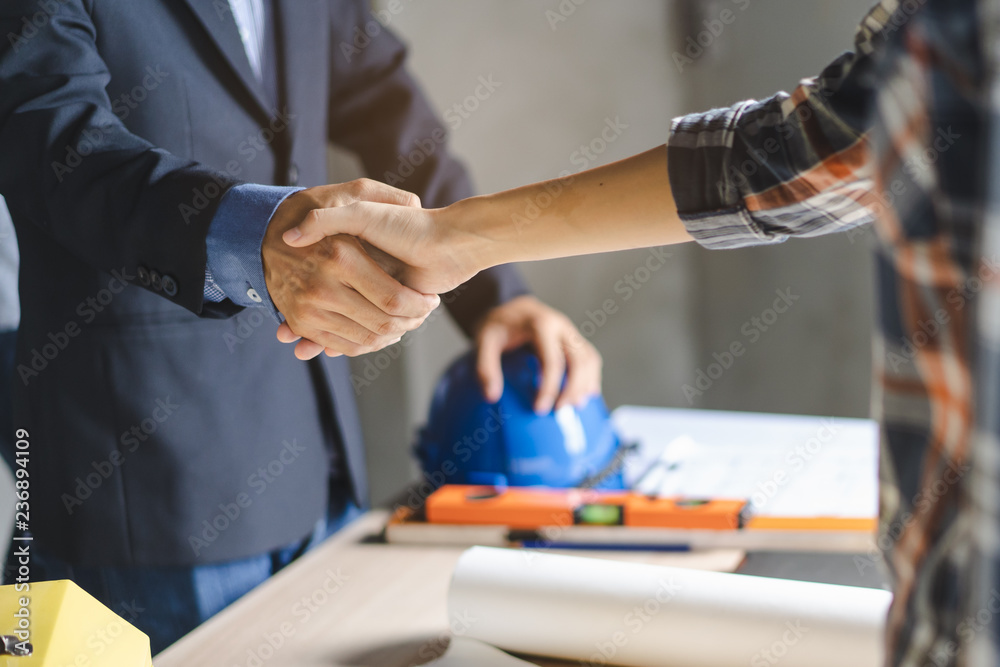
216,17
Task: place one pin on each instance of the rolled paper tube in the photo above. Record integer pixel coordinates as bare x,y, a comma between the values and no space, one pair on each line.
601,612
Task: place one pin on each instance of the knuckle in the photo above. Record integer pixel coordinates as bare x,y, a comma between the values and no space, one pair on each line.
386,327
359,187
547,321
338,250
369,339
393,304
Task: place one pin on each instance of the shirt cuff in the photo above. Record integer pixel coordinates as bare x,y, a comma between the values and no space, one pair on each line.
708,197
235,268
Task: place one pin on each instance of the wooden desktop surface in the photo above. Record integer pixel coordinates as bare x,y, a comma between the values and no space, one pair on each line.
352,602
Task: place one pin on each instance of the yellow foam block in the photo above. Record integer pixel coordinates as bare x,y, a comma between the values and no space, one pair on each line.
68,628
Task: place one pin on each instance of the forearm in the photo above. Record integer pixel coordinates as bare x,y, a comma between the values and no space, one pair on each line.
627,204
621,206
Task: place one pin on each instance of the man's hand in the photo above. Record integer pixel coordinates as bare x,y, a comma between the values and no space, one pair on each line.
559,345
436,256
332,293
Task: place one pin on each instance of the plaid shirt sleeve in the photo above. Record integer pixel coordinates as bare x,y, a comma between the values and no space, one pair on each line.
761,171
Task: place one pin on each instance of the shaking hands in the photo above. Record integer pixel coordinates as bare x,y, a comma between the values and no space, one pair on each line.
434,259
354,266
334,293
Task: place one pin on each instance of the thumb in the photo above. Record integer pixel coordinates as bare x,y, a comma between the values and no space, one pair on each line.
322,222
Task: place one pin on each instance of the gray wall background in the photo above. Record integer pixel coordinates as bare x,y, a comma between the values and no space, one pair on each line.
559,82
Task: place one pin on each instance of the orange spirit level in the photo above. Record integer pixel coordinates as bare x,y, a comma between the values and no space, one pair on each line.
529,508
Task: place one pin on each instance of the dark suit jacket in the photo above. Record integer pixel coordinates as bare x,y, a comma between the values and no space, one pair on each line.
164,430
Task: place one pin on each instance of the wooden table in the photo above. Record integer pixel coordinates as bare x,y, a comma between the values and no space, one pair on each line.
352,602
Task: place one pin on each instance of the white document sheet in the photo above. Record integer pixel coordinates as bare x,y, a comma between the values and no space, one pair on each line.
785,465
606,612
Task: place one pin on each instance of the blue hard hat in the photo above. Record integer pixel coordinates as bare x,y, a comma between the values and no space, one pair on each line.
470,441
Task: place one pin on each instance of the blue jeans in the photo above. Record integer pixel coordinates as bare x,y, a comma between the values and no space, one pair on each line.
168,602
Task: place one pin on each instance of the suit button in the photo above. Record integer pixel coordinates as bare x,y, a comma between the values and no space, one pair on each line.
252,293
169,286
155,281
143,276
293,174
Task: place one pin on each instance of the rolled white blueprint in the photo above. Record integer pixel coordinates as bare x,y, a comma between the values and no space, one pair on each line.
605,612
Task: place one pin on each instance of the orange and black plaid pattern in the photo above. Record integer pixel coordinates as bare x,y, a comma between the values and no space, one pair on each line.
897,133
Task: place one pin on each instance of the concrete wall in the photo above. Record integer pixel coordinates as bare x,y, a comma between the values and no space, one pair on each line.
816,357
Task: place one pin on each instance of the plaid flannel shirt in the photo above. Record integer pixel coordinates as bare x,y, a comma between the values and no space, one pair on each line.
897,133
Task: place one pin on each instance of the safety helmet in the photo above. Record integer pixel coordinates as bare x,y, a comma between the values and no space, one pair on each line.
470,441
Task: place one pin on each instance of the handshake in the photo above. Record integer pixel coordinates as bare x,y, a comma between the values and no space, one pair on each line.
354,266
